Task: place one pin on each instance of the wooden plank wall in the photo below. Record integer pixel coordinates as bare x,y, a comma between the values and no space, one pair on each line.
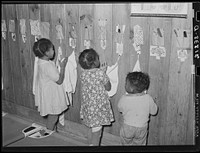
171,80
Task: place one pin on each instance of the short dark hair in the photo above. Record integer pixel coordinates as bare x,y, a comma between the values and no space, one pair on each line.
41,46
88,59
137,82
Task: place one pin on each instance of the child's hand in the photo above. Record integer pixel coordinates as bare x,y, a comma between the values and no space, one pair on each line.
63,62
104,66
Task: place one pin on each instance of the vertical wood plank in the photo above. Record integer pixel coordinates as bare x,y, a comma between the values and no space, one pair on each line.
33,14
15,56
122,18
158,71
178,89
25,54
8,92
57,18
86,14
72,18
190,137
103,12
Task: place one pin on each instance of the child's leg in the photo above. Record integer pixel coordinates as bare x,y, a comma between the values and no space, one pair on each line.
95,136
51,121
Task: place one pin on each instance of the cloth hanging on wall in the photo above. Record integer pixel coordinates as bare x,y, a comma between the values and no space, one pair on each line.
112,72
35,73
70,79
137,66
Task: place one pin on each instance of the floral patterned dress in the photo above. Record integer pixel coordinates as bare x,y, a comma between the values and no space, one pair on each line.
95,105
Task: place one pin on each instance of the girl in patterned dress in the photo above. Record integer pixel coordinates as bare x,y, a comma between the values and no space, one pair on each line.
50,97
95,109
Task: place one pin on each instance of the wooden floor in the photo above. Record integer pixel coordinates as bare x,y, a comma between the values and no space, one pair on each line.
12,127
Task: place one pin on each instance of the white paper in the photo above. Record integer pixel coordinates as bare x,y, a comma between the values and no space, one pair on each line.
11,26
3,25
119,48
59,34
138,35
182,55
23,26
13,36
4,35
35,27
24,38
44,28
157,51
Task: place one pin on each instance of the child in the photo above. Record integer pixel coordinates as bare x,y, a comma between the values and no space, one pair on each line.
136,106
95,105
49,94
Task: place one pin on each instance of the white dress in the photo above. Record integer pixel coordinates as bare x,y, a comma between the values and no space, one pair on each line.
49,96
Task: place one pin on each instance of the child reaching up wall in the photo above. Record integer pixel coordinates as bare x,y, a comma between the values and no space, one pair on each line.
95,105
136,106
50,97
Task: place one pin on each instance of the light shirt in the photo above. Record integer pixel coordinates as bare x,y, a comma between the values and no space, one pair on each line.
136,109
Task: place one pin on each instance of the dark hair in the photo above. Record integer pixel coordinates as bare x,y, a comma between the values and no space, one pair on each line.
89,58
42,46
137,82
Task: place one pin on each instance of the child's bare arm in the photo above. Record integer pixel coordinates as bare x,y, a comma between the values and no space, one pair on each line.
108,86
62,70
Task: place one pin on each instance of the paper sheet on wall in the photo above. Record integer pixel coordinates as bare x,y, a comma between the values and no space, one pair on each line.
158,37
86,33
87,44
44,28
22,26
3,33
3,25
59,34
157,51
102,28
72,42
87,39
11,26
119,48
182,55
90,30
138,35
35,27
13,36
120,32
73,32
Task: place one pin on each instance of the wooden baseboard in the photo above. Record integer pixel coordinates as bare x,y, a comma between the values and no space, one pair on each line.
79,131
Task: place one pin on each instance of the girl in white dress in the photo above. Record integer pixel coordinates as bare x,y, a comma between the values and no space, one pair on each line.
50,97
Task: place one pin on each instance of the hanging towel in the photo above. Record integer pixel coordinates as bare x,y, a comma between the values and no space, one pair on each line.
62,119
112,72
137,66
70,79
35,74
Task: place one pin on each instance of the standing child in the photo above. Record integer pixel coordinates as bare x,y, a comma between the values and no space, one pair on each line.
136,106
95,105
49,93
